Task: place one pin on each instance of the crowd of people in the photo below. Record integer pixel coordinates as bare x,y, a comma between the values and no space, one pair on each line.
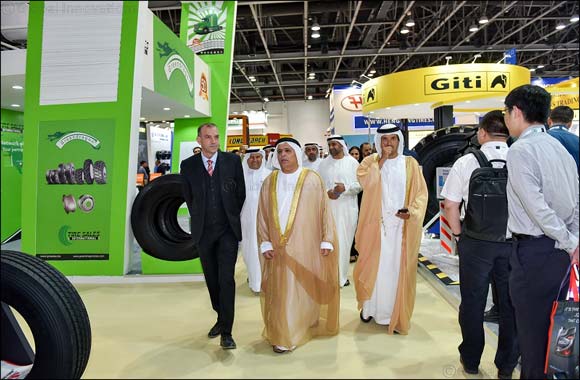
297,215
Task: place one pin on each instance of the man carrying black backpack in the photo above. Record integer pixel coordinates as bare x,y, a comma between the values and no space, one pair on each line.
476,186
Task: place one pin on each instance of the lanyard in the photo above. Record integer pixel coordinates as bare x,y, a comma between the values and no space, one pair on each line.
534,129
559,127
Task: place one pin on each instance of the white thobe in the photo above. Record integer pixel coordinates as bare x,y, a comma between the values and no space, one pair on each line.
345,208
312,165
253,179
393,183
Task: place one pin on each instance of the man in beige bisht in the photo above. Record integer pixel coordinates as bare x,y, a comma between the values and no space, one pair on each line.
388,237
297,238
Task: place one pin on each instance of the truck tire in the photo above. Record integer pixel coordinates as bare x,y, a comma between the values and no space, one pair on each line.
88,171
154,220
53,310
100,172
80,176
440,149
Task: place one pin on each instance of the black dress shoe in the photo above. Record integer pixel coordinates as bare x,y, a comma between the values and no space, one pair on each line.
492,315
471,371
504,374
215,331
363,319
227,342
347,283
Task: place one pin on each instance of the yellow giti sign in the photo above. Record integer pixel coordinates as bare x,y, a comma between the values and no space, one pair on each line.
476,81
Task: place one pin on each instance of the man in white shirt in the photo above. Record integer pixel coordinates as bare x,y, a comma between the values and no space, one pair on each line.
542,193
480,260
338,171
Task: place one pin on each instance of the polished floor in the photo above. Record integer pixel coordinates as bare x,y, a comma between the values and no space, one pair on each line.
155,330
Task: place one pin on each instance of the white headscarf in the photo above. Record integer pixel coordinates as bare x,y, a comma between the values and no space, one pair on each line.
249,152
305,156
389,129
340,139
294,146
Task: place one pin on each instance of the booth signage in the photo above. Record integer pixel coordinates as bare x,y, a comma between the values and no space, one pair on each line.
565,100
352,103
466,82
206,28
255,140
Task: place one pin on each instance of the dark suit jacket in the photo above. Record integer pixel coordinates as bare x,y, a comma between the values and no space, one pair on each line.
232,187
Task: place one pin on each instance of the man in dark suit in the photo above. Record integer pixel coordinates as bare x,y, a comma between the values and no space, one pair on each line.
215,195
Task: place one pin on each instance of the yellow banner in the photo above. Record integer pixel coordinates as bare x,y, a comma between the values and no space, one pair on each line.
255,140
442,84
565,100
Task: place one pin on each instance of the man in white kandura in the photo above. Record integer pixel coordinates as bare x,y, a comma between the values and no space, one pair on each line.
389,232
311,158
338,171
255,173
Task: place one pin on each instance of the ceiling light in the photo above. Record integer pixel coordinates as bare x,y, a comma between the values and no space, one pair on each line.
252,79
266,99
560,26
540,66
166,109
574,18
416,104
315,34
372,71
473,28
186,116
372,112
163,121
142,118
483,20
532,70
315,26
404,30
17,87
309,97
15,105
410,22
371,74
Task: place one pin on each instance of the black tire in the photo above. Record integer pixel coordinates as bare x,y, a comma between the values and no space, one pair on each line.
53,310
154,220
80,176
440,149
48,177
88,171
54,177
69,170
100,172
61,176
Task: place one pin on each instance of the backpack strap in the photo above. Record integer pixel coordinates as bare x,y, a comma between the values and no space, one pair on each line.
483,162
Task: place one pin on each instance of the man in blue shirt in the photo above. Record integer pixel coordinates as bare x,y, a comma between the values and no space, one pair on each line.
560,121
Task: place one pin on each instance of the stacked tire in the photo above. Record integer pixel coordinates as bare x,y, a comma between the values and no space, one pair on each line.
154,220
66,174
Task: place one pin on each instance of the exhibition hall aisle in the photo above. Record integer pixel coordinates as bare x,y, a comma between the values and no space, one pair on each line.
153,330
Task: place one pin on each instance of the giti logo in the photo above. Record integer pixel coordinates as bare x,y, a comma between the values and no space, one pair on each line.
370,95
467,82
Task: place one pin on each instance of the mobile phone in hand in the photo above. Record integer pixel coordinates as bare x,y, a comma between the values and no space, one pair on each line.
403,210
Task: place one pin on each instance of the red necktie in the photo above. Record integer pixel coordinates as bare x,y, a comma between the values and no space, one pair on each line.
210,167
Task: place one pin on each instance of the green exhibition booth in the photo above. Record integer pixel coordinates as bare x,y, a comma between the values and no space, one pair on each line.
72,189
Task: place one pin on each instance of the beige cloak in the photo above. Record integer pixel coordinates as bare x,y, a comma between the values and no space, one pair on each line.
300,292
368,238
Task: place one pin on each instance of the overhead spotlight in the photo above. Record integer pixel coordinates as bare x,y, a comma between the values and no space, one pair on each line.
252,78
315,26
367,76
371,74
473,28
483,20
540,66
404,30
17,87
560,26
532,70
448,58
266,100
373,70
309,97
312,74
410,22
315,34
574,18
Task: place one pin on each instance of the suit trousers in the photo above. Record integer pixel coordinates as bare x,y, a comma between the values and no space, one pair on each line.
537,271
478,262
218,253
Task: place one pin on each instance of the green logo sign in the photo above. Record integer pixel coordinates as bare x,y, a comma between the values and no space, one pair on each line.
174,62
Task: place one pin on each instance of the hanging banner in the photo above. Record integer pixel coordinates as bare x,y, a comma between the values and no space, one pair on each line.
206,26
74,192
